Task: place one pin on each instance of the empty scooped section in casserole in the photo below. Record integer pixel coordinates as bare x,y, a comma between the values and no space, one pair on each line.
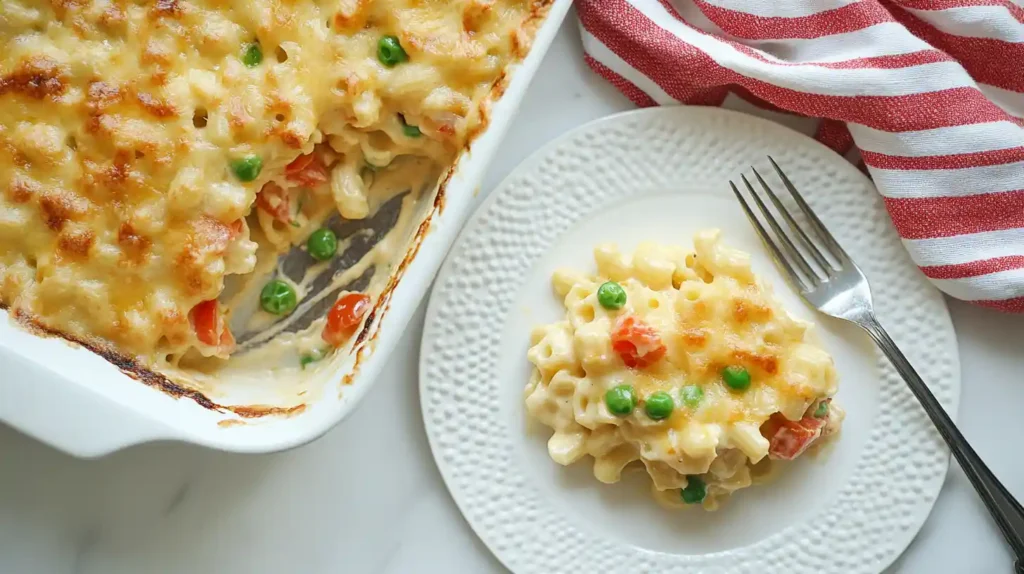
157,159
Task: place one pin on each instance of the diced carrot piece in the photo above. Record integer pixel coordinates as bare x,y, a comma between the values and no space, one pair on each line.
210,326
307,169
344,317
789,439
274,200
204,320
636,342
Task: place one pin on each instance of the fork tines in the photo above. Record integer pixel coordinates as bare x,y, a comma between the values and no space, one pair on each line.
805,272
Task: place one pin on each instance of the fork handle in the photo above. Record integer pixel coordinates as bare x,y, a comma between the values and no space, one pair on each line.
1007,512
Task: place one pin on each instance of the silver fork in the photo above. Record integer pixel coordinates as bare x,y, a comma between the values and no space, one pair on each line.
838,288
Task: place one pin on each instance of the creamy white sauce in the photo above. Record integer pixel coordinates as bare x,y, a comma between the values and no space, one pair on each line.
267,367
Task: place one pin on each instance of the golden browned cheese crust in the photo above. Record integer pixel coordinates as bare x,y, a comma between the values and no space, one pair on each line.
120,120
700,312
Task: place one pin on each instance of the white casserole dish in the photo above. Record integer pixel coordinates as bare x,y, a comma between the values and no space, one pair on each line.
78,402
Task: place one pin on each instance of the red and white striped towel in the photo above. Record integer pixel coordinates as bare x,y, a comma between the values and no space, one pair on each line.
929,94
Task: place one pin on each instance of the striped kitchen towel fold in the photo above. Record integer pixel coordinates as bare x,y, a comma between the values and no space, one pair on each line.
928,94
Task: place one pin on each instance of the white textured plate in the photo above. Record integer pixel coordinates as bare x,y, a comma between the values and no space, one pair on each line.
661,174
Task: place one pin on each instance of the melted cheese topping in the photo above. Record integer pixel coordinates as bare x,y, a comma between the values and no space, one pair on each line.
120,120
702,311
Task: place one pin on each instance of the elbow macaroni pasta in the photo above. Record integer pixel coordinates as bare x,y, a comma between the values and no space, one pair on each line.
121,211
710,312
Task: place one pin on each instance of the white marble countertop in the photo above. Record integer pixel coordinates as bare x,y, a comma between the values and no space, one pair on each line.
367,496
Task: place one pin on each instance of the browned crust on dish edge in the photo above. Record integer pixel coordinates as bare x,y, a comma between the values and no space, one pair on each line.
127,365
362,347
132,368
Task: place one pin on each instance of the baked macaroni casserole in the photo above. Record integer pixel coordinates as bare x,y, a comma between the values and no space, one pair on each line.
151,152
681,360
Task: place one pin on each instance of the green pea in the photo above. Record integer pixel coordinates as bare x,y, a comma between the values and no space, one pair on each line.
659,405
390,51
738,378
696,491
278,297
252,55
409,131
248,168
822,410
621,400
322,244
313,356
691,395
611,295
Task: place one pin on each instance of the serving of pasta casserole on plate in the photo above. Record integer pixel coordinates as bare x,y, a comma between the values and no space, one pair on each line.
682,360
156,159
